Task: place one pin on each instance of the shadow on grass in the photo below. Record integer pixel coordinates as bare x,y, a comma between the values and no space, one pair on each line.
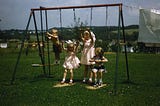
42,77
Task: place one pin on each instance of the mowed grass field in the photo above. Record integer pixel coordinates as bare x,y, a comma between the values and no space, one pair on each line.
30,88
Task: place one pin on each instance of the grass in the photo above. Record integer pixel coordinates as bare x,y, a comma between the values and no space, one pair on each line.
128,31
31,89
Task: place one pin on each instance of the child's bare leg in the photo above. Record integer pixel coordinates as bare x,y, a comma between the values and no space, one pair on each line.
100,77
94,70
90,77
85,72
95,77
91,74
64,76
71,76
57,57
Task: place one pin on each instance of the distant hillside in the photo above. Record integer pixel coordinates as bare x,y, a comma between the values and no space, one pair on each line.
132,27
101,32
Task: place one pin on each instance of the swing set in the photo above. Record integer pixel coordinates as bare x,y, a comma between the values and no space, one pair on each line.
44,10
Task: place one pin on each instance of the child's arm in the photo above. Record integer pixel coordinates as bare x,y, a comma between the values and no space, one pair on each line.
92,41
104,59
63,47
49,34
92,60
76,48
92,37
101,60
81,34
82,38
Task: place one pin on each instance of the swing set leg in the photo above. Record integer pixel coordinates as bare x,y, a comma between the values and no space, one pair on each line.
19,55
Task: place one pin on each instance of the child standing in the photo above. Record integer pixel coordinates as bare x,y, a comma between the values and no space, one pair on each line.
71,61
56,44
88,39
99,67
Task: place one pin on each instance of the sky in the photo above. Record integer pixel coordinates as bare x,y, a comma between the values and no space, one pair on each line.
14,14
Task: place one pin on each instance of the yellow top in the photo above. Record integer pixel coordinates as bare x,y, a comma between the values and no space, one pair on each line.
54,36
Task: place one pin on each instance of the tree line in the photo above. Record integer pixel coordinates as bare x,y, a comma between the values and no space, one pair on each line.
104,34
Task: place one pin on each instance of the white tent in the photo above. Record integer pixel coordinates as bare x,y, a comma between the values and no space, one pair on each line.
149,26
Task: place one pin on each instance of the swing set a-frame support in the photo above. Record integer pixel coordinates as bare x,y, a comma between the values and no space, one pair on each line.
41,51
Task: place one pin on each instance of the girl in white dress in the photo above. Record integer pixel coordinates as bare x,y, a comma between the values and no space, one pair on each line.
88,52
71,61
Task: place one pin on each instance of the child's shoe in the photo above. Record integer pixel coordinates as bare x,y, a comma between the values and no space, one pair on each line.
95,84
90,80
63,81
71,81
84,80
100,83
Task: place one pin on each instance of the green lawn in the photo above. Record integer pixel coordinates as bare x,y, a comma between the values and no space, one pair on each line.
31,89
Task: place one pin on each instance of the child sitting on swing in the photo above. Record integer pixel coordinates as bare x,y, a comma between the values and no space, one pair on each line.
71,61
99,67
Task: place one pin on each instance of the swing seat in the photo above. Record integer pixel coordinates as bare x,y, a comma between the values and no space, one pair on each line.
40,65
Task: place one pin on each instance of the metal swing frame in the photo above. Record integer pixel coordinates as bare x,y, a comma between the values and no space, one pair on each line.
41,51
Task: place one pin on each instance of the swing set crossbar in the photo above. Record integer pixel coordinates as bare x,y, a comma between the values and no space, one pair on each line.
74,7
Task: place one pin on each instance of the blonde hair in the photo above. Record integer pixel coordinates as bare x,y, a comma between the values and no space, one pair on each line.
99,51
70,46
55,32
86,32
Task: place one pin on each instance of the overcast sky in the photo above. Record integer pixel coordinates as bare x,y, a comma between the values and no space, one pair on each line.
14,14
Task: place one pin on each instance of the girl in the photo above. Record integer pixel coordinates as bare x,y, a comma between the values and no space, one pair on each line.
71,61
88,39
99,68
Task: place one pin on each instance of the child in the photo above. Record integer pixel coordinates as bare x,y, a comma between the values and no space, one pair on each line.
98,68
88,39
56,44
71,61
